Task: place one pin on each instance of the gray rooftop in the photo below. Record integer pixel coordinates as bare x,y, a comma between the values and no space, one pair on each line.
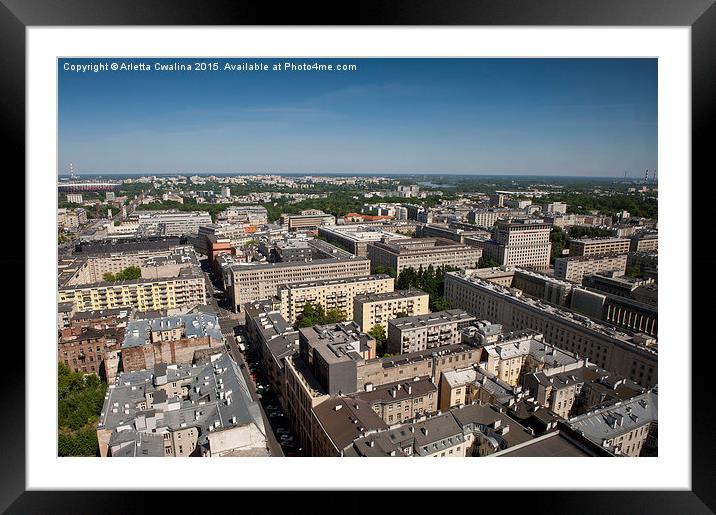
431,319
195,325
217,397
620,418
389,295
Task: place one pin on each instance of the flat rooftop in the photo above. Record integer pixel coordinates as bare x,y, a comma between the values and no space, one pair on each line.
560,313
366,298
432,319
329,282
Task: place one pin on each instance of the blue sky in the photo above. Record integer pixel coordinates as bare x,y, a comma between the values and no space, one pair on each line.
588,117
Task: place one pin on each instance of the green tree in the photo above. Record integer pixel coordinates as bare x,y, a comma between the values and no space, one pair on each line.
487,262
131,272
312,314
333,316
440,304
80,399
378,332
388,270
634,271
559,240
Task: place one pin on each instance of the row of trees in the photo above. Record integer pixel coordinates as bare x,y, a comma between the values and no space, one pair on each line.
131,272
80,400
431,280
487,262
316,314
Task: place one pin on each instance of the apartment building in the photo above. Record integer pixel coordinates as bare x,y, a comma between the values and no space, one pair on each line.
624,428
303,394
274,340
521,353
169,279
402,400
401,254
574,268
71,218
554,208
330,293
332,353
521,242
421,332
172,223
251,215
473,430
338,422
373,309
308,219
90,351
624,353
598,246
483,217
169,339
465,386
252,282
644,242
201,409
427,363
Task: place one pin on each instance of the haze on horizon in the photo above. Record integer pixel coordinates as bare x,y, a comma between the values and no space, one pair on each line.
551,117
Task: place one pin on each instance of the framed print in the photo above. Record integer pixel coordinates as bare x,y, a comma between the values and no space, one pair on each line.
281,240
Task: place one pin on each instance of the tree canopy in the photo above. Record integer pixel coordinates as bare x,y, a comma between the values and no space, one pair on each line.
378,332
430,280
131,272
80,399
315,314
487,262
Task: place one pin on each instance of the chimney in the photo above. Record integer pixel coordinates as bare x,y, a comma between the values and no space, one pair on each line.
337,407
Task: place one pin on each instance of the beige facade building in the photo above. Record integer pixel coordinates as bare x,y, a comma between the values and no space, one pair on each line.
356,237
330,293
170,278
641,242
598,246
417,252
253,282
521,242
303,394
430,363
623,428
309,219
421,332
525,352
374,309
574,268
403,400
627,354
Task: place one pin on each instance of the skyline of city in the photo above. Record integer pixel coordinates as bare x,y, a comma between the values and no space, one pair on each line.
542,117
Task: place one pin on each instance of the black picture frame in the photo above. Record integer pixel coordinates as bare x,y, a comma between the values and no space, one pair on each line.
700,15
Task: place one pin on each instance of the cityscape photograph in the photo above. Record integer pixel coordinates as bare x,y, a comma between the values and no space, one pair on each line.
357,257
